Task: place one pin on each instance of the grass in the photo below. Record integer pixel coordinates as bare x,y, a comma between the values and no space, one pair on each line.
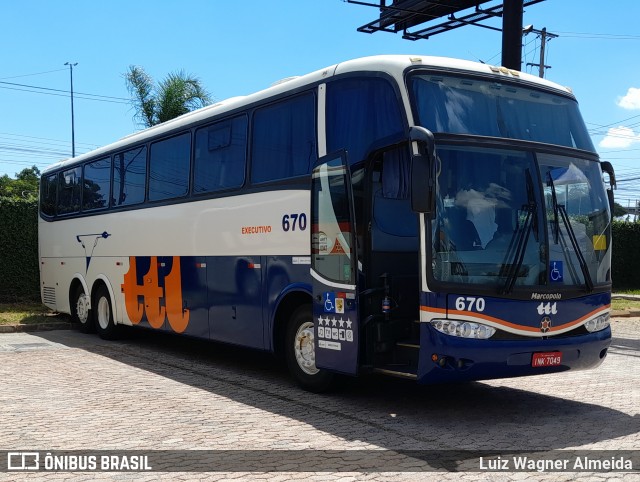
27,314
626,305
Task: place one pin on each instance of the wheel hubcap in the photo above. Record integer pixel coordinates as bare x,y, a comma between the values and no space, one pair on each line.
82,308
304,349
104,313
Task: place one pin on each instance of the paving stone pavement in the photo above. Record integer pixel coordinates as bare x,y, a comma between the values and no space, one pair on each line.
65,391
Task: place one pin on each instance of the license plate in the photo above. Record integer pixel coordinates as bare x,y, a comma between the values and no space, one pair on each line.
546,359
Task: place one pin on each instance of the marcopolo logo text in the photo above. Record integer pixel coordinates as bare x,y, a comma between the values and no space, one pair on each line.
546,296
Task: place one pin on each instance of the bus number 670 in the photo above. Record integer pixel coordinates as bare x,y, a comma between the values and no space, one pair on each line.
469,303
291,222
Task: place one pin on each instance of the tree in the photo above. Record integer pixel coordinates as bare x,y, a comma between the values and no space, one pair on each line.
177,94
25,185
618,210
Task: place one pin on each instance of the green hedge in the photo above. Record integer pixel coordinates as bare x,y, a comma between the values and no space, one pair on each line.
626,256
19,273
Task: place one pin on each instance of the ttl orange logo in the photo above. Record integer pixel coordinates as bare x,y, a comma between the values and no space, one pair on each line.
159,305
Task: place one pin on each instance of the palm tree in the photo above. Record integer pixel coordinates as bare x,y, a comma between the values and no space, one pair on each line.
177,94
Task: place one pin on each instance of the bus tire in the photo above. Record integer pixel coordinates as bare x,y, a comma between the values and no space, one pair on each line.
103,315
81,311
300,353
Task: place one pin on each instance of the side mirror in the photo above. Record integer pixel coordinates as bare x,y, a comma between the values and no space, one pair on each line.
423,171
608,168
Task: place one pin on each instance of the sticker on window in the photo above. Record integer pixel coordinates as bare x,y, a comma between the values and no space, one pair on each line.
555,272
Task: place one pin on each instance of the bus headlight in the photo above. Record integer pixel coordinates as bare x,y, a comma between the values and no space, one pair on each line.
598,323
463,329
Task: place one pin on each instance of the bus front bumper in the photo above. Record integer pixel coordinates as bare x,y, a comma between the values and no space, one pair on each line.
445,358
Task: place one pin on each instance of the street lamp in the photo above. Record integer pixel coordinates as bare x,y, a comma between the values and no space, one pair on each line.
73,134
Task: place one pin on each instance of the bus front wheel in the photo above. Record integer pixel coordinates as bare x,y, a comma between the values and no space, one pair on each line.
300,353
103,315
81,310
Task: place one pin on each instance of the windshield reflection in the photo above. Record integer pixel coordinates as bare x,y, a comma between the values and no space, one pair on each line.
482,208
472,106
491,221
579,221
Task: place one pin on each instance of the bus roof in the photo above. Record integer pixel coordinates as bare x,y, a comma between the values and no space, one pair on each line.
392,64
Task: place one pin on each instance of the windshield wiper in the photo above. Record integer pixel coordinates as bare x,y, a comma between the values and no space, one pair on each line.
522,236
562,211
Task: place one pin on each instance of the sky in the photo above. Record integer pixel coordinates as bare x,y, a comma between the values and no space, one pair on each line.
242,46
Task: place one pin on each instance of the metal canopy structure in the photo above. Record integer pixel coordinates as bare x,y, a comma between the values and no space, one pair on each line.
402,15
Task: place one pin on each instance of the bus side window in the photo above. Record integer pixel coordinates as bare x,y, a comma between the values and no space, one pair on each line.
96,184
169,167
69,190
129,176
395,225
359,112
220,155
48,195
284,139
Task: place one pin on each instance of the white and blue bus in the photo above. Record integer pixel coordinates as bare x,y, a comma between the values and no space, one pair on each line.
428,218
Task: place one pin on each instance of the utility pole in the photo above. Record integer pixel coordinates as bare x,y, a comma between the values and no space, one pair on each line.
544,38
73,133
512,34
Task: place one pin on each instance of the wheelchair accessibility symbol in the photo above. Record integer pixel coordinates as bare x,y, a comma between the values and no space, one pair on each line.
333,304
555,271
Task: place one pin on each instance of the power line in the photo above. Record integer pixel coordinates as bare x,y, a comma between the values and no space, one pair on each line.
629,170
601,36
19,148
595,130
64,93
30,75
27,150
616,122
628,179
53,142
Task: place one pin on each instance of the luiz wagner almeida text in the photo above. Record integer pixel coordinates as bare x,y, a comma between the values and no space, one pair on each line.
583,463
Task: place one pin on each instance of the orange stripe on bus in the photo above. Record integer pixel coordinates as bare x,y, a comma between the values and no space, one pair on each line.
430,309
502,322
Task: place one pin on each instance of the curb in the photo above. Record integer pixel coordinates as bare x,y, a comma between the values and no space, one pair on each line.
37,327
625,314
616,296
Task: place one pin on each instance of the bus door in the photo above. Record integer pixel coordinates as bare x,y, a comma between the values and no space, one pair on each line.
334,266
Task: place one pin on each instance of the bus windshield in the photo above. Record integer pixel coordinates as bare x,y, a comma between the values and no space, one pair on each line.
495,226
467,105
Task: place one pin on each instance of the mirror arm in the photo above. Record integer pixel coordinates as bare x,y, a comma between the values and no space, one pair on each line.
608,168
424,136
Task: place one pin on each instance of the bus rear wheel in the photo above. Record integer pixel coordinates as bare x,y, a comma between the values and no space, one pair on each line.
81,310
300,353
103,315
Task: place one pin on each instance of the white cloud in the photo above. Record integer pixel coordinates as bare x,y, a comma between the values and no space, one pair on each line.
631,101
620,137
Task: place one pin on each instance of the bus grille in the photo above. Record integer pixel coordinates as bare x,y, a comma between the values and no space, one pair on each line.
49,295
